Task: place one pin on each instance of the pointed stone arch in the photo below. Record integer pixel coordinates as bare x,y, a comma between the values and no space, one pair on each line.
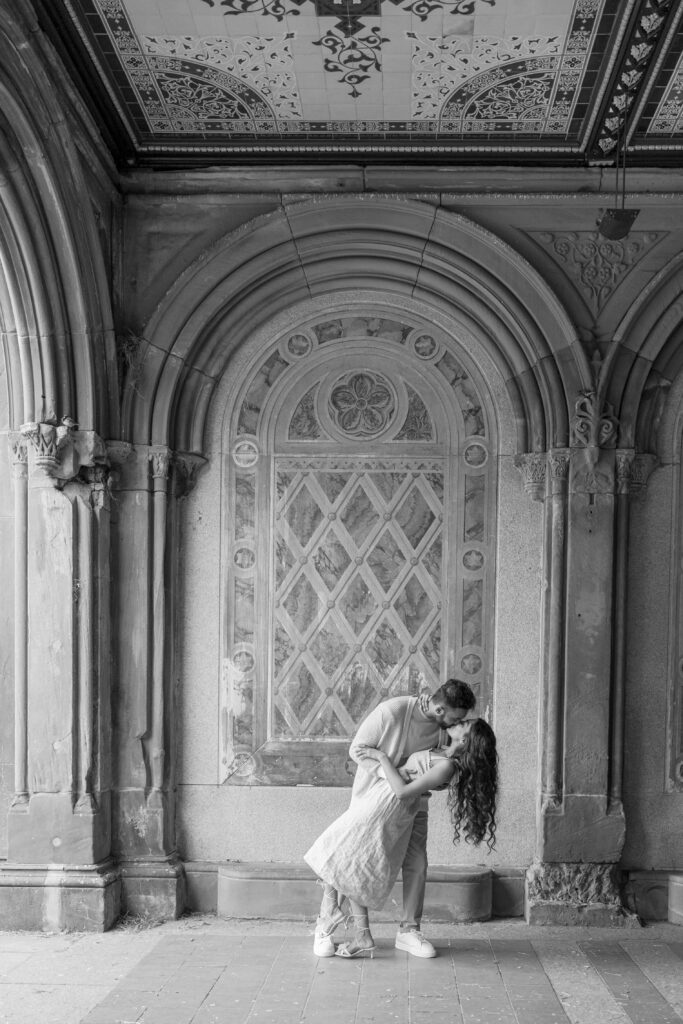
55,306
317,247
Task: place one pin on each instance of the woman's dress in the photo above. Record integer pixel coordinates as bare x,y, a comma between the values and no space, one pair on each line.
361,853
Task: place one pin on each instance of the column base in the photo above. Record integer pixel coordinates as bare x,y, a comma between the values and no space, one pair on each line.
58,897
153,889
576,894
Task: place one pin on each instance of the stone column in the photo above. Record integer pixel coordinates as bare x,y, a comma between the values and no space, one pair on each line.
59,873
150,480
581,827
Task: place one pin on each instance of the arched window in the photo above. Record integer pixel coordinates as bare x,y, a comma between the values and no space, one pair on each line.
358,532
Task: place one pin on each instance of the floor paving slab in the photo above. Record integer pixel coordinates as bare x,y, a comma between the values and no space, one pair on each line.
200,970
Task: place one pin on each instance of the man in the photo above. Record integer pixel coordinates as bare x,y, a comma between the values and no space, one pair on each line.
400,726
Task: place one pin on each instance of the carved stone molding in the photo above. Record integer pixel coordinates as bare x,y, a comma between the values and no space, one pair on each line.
532,466
574,884
596,264
593,425
645,34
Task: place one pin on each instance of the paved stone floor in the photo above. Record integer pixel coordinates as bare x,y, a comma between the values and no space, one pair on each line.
203,971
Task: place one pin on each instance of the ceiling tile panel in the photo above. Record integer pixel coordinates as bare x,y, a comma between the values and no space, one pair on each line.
548,80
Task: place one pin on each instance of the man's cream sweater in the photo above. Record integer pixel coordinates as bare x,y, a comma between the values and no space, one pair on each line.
399,728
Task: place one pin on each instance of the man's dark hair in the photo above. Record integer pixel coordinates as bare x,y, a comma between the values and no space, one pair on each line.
455,694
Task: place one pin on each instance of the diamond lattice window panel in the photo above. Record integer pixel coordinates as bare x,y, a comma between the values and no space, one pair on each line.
358,511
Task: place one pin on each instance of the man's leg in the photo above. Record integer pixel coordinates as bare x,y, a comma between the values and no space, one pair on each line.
414,873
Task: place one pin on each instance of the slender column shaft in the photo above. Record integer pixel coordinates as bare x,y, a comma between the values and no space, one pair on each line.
85,568
160,457
21,624
552,783
619,645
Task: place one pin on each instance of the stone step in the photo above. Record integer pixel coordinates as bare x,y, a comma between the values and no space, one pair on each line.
289,892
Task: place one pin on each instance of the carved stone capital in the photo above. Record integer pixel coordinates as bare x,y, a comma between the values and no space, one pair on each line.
118,452
558,461
18,453
643,465
188,466
60,451
160,457
593,425
532,466
47,443
625,459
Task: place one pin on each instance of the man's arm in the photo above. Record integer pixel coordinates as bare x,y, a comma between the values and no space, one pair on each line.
368,736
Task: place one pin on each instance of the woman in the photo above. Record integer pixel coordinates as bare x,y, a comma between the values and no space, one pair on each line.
359,856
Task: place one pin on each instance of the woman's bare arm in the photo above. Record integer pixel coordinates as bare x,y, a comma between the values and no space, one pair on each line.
439,774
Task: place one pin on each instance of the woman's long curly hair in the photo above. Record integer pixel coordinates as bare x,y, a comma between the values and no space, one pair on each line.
474,786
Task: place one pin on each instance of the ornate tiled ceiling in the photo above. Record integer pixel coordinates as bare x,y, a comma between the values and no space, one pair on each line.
546,81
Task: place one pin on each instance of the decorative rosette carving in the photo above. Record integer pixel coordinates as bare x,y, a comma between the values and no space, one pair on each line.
363,404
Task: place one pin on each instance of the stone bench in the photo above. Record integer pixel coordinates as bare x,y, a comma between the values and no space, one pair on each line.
676,899
289,892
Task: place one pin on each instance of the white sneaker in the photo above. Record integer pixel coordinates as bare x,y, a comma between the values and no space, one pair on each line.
415,943
322,945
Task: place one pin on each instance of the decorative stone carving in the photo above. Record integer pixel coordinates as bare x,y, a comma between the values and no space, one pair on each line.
18,453
596,264
59,452
47,442
160,456
574,884
558,460
189,467
532,466
641,468
591,426
624,470
645,34
362,404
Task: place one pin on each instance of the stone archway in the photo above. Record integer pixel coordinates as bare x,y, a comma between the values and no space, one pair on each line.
359,526
249,284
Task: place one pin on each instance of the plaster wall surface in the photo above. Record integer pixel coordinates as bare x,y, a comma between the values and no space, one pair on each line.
223,822
654,838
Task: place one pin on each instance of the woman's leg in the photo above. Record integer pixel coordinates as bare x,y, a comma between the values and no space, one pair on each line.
363,941
331,913
329,917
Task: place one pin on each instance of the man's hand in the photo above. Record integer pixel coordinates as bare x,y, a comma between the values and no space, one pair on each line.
372,752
